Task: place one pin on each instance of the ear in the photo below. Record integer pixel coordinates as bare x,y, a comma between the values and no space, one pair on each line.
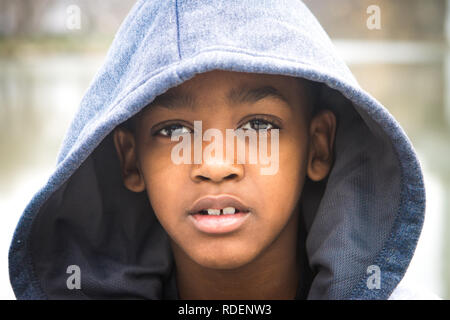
322,131
125,144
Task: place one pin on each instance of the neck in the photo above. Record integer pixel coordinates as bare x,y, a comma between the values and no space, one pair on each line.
272,275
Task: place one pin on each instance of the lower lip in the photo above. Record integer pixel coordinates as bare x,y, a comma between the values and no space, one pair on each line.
217,224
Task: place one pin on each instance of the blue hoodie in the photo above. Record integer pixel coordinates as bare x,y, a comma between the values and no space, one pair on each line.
362,225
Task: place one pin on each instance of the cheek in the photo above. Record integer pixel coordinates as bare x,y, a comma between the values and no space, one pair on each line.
165,183
281,191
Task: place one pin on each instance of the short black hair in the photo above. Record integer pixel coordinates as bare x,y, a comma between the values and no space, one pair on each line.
314,90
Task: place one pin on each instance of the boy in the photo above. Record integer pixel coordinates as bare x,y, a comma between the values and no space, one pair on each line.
144,204
256,255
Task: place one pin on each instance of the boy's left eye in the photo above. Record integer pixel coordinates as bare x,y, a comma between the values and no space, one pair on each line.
173,129
259,124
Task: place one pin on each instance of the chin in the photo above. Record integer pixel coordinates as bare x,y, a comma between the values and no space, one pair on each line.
220,260
223,264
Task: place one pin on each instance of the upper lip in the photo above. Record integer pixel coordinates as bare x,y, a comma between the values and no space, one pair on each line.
217,202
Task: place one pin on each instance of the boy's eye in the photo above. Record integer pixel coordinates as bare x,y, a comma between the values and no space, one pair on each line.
173,129
259,124
179,129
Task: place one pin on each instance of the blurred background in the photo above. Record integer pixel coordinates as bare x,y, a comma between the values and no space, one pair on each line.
397,49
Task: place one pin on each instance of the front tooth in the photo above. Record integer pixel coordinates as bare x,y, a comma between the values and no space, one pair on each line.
214,211
229,210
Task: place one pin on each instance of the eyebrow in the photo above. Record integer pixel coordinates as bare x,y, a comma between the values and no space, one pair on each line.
235,96
171,100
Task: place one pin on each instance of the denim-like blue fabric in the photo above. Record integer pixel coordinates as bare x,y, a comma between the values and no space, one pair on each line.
369,212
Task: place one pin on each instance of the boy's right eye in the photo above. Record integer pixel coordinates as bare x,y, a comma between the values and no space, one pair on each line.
173,129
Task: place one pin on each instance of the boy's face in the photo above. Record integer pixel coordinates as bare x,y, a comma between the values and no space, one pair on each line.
304,148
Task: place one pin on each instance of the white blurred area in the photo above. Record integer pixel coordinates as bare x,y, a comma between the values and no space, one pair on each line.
427,268
39,96
427,265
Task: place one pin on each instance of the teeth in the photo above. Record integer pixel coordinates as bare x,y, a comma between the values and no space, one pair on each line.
214,212
229,210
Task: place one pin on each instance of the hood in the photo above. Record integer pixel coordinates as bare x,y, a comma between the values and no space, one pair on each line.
369,212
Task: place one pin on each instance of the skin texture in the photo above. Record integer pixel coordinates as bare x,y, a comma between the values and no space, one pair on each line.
259,260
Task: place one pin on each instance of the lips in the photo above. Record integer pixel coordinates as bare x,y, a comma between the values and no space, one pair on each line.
218,203
219,214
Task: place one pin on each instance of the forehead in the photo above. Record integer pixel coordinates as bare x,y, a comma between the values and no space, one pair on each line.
233,87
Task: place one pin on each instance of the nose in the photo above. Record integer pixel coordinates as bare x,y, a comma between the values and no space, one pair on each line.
217,171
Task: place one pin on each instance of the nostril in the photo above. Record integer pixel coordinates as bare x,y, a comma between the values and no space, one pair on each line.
230,176
216,174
